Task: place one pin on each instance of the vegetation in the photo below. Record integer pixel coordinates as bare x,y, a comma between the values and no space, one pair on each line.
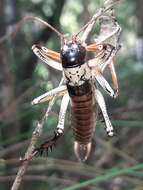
116,163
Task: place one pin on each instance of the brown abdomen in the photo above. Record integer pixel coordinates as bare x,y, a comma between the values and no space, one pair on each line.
83,117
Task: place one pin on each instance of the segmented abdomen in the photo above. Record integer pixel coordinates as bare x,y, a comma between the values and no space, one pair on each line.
83,117
83,113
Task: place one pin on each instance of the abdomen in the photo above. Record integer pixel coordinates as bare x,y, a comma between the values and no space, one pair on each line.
83,111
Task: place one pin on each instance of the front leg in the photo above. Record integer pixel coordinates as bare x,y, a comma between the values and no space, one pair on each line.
104,58
97,67
102,81
114,77
102,105
50,57
59,91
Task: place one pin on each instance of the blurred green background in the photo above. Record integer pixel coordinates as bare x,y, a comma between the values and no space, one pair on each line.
23,77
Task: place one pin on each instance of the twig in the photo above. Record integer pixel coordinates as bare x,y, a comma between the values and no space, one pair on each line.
43,164
106,176
36,134
108,4
117,151
38,178
13,148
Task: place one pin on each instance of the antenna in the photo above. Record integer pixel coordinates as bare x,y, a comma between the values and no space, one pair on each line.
84,27
41,21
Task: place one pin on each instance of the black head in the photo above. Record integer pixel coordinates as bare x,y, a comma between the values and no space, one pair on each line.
72,54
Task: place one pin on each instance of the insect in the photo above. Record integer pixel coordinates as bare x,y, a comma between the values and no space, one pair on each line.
79,88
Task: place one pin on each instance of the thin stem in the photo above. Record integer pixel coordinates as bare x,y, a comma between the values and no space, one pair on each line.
106,176
36,134
88,27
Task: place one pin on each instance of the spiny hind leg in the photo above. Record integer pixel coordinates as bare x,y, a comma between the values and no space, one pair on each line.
102,105
57,134
60,127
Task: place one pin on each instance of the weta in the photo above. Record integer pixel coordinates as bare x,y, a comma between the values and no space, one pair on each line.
79,88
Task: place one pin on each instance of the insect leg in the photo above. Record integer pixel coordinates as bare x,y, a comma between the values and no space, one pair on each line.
59,91
97,66
103,39
103,82
102,105
111,66
111,36
63,109
114,77
92,47
48,56
60,127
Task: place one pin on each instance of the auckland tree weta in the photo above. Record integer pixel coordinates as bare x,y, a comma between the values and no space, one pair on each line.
79,85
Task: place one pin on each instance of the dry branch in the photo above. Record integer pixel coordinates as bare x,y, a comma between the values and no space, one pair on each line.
36,134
